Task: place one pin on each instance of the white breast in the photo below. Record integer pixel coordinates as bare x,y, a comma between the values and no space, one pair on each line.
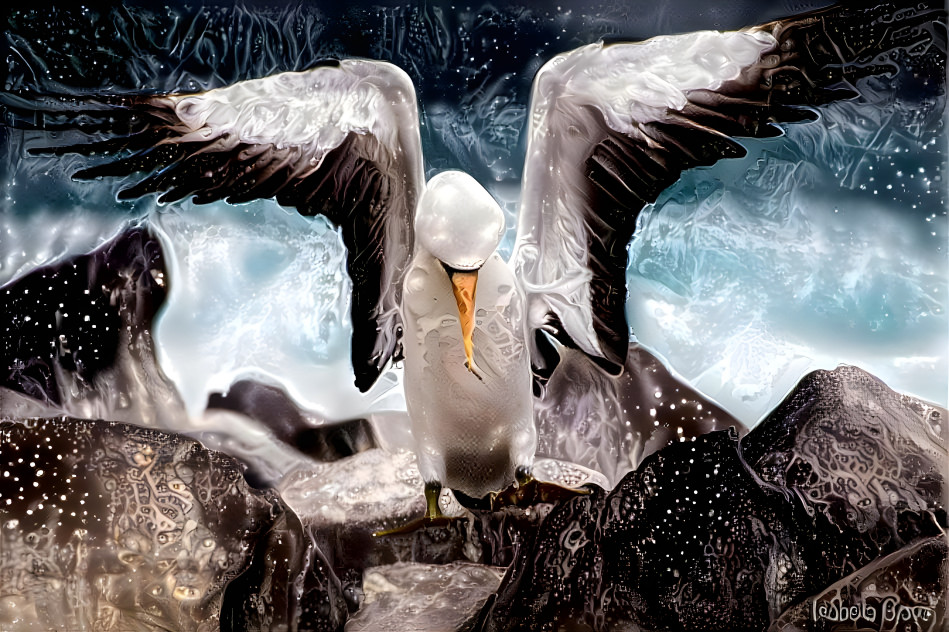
471,433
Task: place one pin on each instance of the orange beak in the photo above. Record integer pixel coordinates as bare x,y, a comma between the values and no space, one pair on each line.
463,285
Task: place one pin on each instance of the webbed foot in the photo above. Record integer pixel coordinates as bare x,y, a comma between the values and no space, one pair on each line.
433,515
530,491
418,524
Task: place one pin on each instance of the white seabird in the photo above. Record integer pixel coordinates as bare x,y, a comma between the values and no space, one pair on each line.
467,365
611,126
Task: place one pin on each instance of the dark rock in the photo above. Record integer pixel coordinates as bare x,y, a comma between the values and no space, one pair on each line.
76,336
611,423
905,590
107,523
861,459
310,434
712,535
684,542
68,318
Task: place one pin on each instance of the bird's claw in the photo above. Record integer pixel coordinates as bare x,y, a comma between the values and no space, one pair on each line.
418,524
433,515
530,491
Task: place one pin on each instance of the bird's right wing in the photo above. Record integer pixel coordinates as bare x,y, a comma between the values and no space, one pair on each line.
341,140
612,126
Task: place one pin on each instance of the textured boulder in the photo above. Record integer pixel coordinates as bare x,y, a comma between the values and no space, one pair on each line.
76,337
116,527
423,597
863,460
717,534
904,590
684,542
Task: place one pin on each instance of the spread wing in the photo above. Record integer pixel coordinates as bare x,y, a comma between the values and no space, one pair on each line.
340,140
612,126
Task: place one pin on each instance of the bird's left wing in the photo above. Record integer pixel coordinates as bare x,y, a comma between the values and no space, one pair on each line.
612,126
340,140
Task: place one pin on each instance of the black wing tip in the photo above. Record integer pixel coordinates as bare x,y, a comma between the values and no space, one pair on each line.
611,362
95,172
30,101
366,376
364,382
126,194
328,62
89,173
610,355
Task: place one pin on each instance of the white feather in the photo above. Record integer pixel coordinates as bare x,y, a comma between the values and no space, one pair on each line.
314,110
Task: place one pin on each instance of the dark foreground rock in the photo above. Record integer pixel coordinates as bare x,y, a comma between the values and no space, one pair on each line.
76,336
717,534
904,590
115,527
683,542
859,456
610,424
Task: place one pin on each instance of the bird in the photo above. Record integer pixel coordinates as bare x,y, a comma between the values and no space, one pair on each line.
611,126
467,367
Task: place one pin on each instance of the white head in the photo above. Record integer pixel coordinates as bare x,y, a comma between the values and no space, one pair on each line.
458,221
461,225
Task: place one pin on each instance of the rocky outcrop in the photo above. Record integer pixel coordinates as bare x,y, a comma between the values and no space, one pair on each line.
117,527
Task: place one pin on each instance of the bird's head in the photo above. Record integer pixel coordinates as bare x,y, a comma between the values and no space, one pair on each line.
461,225
458,221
